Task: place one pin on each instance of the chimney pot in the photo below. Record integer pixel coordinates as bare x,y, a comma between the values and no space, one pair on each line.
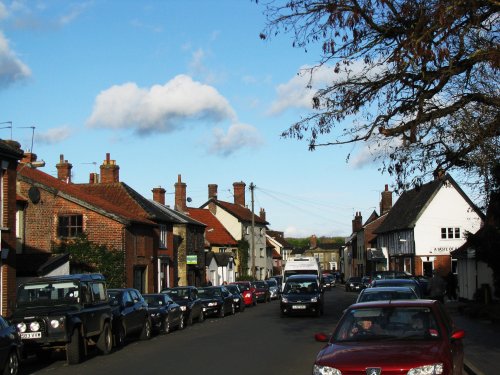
239,193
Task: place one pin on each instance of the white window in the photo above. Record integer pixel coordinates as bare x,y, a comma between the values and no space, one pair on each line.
163,236
449,233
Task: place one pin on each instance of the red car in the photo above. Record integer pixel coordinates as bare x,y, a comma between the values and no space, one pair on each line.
248,292
413,337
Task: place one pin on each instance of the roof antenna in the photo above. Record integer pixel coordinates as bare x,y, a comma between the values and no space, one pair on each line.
6,127
32,134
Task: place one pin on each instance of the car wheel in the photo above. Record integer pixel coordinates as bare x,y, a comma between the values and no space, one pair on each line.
12,364
105,341
201,317
146,330
233,309
166,325
120,336
189,320
222,313
181,323
74,349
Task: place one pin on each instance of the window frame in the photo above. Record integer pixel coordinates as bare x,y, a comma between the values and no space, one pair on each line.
69,229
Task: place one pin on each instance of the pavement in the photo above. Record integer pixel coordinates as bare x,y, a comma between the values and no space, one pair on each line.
481,342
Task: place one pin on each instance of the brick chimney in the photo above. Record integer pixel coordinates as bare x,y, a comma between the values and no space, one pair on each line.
110,172
239,193
313,242
357,223
159,195
93,178
64,170
262,214
180,195
386,200
212,194
28,157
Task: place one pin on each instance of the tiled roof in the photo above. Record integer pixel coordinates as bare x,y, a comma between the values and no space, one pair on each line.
77,195
238,211
279,237
222,259
7,149
411,204
215,233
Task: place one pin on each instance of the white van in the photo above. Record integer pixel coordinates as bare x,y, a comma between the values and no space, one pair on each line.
303,266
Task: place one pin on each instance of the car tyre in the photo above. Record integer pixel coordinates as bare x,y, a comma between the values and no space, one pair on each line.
120,336
233,309
222,313
201,317
189,320
166,325
146,330
75,348
105,341
181,323
12,364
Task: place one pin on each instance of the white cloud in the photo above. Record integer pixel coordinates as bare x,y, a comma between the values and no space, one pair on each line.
238,136
299,90
3,11
12,69
54,135
159,108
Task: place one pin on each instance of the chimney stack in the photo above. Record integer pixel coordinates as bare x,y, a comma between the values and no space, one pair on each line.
63,169
386,201
109,171
180,195
159,195
262,214
357,223
313,242
93,178
28,157
239,193
212,194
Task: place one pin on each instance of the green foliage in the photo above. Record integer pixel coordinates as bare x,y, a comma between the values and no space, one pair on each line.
298,243
243,247
91,257
245,278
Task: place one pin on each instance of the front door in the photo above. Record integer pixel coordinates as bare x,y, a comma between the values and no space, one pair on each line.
140,278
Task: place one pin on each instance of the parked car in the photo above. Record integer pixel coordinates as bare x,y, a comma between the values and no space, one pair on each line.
238,299
279,280
354,284
164,312
248,292
414,336
64,312
130,315
301,295
10,349
367,281
262,293
386,293
398,282
274,289
216,301
191,305
327,281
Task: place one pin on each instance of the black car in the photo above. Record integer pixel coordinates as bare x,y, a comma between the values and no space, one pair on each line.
301,295
187,298
164,312
217,300
354,284
11,348
130,315
262,293
239,303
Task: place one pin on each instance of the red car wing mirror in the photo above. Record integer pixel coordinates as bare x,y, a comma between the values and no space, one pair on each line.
321,337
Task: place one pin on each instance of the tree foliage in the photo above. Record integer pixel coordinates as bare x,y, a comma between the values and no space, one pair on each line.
243,256
87,256
414,80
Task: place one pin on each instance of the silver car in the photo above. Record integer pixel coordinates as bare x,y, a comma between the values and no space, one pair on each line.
273,288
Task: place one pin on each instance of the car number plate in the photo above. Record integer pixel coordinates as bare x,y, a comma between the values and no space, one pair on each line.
299,307
31,335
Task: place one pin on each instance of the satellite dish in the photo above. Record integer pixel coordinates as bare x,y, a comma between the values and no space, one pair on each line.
34,194
189,199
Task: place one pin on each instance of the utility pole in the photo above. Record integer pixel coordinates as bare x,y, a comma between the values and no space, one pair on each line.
252,187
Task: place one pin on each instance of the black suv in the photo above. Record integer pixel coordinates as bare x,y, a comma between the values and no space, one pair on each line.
68,311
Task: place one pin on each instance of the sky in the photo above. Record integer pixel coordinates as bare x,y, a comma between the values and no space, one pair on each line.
171,88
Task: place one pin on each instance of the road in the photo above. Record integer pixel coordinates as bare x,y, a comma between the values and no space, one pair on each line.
256,341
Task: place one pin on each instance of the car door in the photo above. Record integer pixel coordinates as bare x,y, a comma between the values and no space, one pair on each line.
129,315
140,309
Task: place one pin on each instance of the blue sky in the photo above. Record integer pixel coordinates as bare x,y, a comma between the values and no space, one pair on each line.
177,87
